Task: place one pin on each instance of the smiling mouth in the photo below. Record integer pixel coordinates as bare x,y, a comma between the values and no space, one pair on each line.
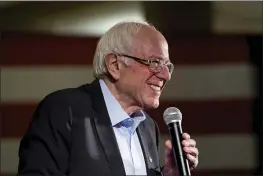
155,88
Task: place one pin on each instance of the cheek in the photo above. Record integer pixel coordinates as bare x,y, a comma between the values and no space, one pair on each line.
139,80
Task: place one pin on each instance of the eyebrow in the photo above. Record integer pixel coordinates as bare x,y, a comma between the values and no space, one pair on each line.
161,58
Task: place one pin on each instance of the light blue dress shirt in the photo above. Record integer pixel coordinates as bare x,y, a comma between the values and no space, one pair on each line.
125,132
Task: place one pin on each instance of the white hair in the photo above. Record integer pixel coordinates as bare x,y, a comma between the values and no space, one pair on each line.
116,40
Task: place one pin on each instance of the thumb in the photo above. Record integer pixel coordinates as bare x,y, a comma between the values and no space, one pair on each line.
168,153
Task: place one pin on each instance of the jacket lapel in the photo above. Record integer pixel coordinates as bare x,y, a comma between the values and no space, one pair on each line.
149,148
105,131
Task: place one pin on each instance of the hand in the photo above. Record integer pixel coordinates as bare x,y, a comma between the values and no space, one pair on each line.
190,150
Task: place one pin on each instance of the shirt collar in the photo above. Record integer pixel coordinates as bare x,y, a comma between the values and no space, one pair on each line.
115,111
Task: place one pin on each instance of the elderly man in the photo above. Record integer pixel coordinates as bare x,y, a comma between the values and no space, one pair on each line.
101,129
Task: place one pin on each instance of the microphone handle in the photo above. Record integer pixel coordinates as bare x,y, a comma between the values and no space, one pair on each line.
179,155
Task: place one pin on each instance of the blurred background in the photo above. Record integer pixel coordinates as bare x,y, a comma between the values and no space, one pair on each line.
217,82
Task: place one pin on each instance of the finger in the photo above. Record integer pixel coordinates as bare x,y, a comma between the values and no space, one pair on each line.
168,153
168,144
168,149
189,143
191,150
185,136
193,161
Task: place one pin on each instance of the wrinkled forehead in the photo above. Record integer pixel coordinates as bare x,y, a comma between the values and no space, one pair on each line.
150,43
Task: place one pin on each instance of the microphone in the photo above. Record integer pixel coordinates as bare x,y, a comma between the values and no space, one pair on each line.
173,117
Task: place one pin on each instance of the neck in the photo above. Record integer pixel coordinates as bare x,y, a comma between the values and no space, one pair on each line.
128,105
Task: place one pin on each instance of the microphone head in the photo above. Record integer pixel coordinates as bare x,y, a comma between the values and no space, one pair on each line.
172,114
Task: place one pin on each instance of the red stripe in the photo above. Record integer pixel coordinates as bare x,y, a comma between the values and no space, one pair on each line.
210,117
30,50
206,172
36,49
15,118
199,117
200,50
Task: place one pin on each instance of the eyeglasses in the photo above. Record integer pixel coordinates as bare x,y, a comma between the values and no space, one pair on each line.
156,65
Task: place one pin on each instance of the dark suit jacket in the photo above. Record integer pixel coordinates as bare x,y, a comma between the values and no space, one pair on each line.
71,134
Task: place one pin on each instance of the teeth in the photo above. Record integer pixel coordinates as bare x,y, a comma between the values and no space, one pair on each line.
157,88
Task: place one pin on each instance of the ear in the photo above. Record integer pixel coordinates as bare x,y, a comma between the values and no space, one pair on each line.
112,66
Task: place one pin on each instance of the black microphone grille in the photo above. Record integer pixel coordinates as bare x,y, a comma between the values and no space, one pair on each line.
172,114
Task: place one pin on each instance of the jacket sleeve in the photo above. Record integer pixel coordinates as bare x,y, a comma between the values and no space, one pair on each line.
45,147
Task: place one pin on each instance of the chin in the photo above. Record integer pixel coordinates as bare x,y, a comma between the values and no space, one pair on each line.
152,104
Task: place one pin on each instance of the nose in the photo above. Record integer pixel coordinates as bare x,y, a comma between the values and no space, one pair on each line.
164,74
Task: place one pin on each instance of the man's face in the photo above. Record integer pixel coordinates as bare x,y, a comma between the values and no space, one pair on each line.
142,85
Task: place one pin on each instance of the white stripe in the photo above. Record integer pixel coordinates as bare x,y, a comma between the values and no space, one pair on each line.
9,155
237,17
82,19
216,152
187,83
33,83
211,82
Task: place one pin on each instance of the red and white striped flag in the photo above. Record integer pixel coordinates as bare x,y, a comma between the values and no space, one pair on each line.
212,85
